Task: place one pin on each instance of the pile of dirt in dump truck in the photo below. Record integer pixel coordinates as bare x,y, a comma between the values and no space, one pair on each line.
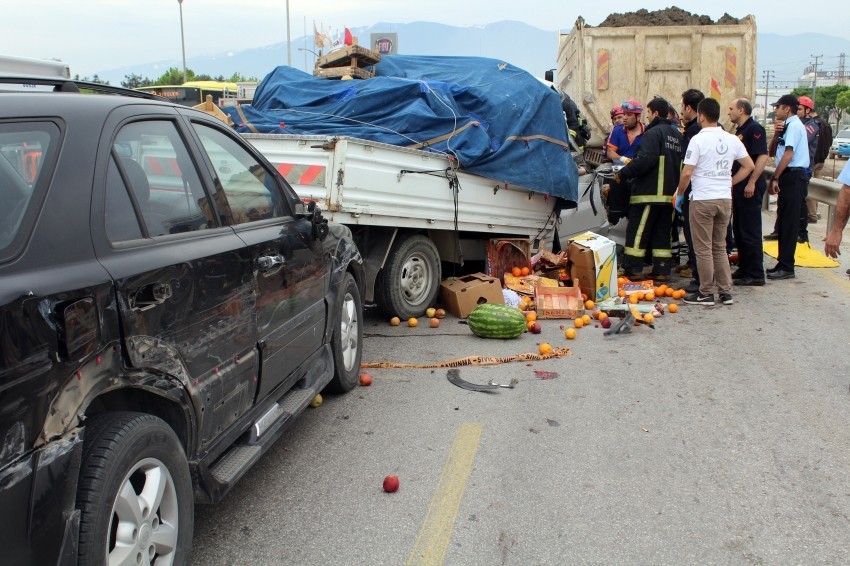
669,17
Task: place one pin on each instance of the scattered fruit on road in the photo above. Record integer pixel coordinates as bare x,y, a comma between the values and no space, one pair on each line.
589,305
435,322
648,318
365,379
673,307
317,401
535,328
545,348
440,313
578,323
570,333
412,322
395,321
391,483
606,322
431,312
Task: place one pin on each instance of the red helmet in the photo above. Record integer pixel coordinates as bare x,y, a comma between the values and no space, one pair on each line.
632,107
616,111
807,102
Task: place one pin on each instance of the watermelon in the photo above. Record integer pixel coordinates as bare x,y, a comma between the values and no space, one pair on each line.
496,321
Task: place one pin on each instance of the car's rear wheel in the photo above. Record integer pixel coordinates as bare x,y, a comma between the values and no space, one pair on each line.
347,341
134,493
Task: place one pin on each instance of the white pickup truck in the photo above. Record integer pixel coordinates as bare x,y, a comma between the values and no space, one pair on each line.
411,210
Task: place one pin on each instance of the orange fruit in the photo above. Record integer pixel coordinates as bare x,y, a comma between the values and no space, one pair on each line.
412,322
395,321
586,319
570,333
660,290
641,295
545,348
648,318
621,293
621,280
578,323
516,271
673,307
633,299
603,315
595,314
525,271
529,324
531,316
589,305
669,292
650,296
681,293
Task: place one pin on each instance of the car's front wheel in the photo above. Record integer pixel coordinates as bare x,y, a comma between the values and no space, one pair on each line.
347,341
134,493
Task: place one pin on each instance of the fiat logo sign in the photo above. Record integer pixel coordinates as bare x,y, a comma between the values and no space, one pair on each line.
384,46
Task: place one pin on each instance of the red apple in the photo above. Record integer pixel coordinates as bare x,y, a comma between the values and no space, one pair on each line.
391,483
435,322
440,313
606,323
365,379
535,328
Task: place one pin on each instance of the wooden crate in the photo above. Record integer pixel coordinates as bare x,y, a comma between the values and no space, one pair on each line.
339,72
558,302
349,61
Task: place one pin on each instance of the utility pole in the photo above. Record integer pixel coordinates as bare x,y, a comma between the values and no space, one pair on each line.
841,69
182,41
767,76
815,81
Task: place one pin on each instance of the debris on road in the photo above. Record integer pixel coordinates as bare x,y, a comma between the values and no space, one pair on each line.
473,360
453,375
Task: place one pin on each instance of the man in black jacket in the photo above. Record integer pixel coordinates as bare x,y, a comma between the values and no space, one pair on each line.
690,100
655,174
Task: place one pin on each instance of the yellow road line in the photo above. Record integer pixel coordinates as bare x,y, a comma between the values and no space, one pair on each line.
840,280
435,534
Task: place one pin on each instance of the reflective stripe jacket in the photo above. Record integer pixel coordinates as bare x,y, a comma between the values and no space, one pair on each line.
656,167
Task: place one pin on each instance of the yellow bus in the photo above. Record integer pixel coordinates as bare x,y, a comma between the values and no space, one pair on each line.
193,92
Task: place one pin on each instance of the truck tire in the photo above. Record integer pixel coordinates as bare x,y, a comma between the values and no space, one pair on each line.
410,279
347,340
134,494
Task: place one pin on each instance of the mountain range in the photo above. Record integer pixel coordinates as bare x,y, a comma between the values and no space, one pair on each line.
520,44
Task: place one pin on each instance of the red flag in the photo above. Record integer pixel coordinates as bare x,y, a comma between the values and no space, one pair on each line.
349,39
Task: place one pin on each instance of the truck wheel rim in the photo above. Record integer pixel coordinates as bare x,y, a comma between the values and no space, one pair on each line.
349,331
144,523
416,279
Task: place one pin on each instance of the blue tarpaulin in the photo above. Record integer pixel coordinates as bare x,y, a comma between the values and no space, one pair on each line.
496,119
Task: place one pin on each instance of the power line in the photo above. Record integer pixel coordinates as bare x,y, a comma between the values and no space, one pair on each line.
815,79
767,76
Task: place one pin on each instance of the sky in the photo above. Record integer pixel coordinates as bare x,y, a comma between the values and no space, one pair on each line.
98,35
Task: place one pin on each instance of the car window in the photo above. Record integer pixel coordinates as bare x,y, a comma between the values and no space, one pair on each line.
24,148
151,159
844,134
251,190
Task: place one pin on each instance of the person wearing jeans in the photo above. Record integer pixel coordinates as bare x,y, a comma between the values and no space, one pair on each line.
708,168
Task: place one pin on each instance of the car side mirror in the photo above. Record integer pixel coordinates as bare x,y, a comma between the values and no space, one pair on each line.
319,222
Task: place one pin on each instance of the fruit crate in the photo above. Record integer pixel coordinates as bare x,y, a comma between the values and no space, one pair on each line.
558,302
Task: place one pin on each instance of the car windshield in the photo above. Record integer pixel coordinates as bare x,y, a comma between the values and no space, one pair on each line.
23,148
844,134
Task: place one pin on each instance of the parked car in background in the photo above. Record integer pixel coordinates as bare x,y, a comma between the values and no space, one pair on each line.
840,144
164,316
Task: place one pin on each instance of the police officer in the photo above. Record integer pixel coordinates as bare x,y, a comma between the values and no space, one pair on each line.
654,172
789,181
747,196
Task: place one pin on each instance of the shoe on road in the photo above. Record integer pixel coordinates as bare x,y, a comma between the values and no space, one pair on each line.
700,299
780,274
748,282
726,299
738,274
692,287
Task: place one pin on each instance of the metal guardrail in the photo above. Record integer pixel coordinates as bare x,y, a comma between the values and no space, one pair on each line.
819,190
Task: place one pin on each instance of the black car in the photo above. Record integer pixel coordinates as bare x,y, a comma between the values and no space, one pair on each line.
167,307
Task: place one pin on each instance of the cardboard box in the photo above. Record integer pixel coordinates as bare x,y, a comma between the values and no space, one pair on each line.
593,265
460,295
503,254
558,302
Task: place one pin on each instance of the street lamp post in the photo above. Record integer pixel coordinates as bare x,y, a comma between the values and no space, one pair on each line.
306,51
288,38
183,42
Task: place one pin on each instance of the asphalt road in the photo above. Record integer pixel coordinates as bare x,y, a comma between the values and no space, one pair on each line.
720,437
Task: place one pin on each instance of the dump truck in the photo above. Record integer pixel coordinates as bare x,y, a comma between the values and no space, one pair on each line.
600,67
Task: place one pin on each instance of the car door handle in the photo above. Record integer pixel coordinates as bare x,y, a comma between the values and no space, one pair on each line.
270,264
151,295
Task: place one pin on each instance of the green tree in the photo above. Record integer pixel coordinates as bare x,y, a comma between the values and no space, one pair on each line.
174,76
239,77
842,104
94,79
135,81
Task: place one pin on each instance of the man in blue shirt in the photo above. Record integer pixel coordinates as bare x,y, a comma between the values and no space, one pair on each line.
625,138
789,180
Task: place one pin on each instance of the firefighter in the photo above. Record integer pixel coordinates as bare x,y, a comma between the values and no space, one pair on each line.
654,175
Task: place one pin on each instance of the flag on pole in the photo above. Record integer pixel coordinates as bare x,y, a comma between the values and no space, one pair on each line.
319,38
349,39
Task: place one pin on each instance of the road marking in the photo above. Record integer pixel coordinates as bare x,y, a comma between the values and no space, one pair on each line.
435,534
841,280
